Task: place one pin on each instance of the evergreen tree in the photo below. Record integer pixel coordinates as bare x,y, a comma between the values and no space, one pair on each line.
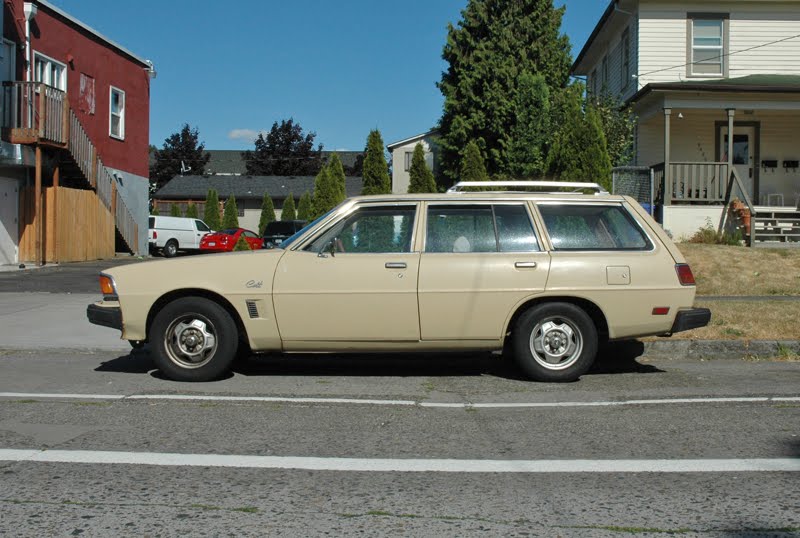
211,212
472,165
325,194
191,210
175,210
284,151
487,52
531,135
579,147
336,176
241,244
230,217
376,171
181,150
421,177
305,207
267,213
288,212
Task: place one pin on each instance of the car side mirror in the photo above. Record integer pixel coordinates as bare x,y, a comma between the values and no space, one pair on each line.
329,248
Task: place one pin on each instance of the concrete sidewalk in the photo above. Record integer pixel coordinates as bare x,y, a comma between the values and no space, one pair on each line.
36,321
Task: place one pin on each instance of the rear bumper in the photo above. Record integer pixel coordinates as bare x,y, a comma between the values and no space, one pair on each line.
691,319
105,316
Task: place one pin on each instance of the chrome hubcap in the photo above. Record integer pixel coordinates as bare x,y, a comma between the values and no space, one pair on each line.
190,341
556,343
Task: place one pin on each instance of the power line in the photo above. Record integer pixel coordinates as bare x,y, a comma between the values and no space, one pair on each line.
724,55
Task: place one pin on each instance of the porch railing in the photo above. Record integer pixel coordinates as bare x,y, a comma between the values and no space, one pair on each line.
693,182
35,113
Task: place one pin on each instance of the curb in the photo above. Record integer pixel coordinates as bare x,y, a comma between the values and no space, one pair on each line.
720,349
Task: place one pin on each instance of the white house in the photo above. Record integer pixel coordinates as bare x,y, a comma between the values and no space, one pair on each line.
403,150
693,72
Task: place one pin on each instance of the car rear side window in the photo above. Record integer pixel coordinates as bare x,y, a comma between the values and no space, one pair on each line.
592,227
480,228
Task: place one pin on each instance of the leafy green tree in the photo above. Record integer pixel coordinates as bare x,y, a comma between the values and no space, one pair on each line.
618,122
284,151
421,177
267,213
191,210
241,244
336,176
175,210
181,151
492,45
530,136
211,212
376,171
579,147
288,212
472,165
230,217
155,210
305,209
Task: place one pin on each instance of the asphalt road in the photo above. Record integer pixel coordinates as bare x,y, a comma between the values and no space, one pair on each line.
433,445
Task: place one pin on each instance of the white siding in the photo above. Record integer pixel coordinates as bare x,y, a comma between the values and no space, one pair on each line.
400,176
662,38
612,52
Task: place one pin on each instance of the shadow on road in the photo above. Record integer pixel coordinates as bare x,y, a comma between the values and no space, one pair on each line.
615,358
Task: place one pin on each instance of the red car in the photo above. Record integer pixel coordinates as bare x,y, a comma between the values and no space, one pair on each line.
225,240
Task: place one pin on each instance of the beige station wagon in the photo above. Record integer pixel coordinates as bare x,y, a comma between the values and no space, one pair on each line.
545,276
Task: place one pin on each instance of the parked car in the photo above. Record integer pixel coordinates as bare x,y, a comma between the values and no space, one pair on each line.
168,235
276,231
225,240
545,276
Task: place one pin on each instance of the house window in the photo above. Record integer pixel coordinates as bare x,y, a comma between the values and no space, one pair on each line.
604,82
625,60
409,156
49,71
117,114
708,45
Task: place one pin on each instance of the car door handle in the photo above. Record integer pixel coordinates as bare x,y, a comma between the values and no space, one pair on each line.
395,265
525,265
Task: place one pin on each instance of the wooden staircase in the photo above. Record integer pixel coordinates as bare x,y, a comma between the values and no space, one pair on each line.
37,114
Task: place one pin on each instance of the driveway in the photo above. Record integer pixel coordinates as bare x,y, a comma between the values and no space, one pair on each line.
79,277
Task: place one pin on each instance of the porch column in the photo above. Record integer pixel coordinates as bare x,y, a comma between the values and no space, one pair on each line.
731,112
667,167
37,194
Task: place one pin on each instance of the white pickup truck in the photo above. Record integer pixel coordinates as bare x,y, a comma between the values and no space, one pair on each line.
168,235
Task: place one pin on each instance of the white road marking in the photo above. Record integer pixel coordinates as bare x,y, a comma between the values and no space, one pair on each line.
479,405
403,465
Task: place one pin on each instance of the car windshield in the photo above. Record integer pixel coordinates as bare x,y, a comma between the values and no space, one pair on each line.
291,239
229,231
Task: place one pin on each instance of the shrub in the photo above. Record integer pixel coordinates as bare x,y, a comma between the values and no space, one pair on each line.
241,244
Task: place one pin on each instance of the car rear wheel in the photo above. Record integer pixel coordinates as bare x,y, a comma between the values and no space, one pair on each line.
555,342
170,249
194,339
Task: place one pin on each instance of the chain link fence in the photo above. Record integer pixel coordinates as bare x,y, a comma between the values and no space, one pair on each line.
636,182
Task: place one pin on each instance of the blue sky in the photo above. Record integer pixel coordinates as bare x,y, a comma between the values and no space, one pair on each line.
340,69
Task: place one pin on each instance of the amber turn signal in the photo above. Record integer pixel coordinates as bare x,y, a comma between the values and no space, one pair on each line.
107,285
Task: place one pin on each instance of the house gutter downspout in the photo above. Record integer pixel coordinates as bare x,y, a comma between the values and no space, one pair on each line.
29,9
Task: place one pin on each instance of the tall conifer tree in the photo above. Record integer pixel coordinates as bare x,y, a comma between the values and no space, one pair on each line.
421,177
267,213
288,212
211,212
472,164
376,171
305,209
336,176
531,135
230,217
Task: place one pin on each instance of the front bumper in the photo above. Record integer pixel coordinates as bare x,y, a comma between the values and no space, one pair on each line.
691,319
105,316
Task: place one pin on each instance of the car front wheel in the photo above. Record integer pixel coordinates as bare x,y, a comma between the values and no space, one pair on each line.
194,339
555,342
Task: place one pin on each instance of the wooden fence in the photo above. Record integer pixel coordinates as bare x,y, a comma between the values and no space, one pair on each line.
79,226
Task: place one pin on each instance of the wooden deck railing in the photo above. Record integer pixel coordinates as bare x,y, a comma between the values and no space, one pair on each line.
34,113
694,182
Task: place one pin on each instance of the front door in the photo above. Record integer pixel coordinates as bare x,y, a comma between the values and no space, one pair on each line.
744,144
355,282
9,217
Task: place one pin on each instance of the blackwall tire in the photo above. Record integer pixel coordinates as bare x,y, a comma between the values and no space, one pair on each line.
193,339
170,249
554,342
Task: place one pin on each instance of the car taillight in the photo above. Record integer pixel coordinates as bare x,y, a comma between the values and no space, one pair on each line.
155,234
685,275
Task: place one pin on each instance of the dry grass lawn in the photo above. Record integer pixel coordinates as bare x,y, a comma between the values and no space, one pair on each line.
728,270
747,320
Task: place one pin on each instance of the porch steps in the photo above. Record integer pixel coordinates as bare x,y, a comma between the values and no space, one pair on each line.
777,226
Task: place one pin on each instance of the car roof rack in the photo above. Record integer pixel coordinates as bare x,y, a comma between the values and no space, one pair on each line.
576,185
